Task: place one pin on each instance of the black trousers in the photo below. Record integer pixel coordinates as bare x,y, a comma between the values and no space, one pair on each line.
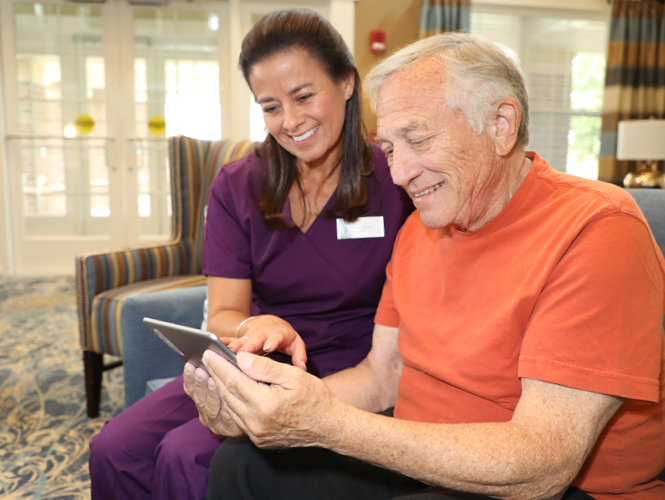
240,470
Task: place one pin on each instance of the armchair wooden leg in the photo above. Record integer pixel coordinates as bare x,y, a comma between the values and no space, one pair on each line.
93,367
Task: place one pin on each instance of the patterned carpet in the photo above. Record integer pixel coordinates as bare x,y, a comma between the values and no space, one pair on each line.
44,429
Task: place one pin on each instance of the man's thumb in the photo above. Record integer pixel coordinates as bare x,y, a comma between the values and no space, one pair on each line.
263,369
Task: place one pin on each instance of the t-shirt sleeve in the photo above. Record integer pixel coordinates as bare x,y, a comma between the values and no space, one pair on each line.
598,323
386,314
226,247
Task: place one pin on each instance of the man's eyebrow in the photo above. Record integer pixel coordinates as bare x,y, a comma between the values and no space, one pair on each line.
410,127
294,90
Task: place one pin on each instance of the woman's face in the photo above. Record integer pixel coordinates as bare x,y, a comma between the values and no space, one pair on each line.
303,108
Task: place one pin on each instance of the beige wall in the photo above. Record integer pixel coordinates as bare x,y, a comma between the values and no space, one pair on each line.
398,18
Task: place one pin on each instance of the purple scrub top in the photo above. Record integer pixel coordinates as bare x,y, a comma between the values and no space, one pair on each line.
327,289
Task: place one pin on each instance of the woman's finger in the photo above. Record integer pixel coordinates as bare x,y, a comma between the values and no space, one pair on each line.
299,353
247,343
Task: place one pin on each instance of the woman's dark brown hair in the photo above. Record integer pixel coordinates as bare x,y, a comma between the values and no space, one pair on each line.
306,30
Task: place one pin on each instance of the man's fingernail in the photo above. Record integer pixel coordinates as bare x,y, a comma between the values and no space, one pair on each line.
266,347
205,358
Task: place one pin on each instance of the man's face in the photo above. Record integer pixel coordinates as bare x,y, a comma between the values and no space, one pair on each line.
433,154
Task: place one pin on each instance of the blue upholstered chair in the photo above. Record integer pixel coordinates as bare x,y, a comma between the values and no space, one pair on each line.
652,204
111,284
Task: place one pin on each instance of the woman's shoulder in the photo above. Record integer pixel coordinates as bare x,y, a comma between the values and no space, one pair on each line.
246,166
242,174
380,161
381,169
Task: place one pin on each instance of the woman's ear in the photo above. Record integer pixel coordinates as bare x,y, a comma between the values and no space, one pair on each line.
507,120
349,86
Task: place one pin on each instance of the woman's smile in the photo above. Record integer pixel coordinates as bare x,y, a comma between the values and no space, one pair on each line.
306,135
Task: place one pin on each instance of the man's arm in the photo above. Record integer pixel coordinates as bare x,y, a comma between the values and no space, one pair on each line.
535,455
372,385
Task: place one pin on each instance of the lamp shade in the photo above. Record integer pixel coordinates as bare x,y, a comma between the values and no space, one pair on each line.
641,140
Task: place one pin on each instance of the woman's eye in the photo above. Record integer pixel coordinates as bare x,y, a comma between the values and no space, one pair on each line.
303,98
269,109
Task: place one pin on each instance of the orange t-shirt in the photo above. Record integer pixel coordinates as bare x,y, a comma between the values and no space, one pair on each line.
564,285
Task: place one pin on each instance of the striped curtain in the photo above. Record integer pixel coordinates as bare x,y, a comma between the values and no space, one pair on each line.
440,16
635,77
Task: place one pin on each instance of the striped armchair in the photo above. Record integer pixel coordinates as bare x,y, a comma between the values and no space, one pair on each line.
105,281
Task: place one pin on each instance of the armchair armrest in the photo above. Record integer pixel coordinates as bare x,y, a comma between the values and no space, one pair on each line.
102,271
145,357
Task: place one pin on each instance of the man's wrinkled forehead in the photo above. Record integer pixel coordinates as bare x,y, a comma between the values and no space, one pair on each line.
426,76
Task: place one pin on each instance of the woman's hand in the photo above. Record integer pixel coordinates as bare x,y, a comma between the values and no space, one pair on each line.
268,333
229,302
212,412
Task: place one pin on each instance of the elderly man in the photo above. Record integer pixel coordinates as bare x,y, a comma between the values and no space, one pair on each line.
519,336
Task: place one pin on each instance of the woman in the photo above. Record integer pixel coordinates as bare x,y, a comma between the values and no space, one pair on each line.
297,239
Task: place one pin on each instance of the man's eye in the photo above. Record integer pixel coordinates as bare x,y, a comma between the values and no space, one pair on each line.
270,109
304,97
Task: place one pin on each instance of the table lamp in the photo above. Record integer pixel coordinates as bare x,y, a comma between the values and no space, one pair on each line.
642,140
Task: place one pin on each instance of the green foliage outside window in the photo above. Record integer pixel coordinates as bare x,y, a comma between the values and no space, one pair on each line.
588,81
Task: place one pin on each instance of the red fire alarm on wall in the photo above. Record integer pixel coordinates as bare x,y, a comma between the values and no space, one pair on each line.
377,41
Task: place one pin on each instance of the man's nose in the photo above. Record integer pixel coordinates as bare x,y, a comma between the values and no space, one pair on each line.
403,167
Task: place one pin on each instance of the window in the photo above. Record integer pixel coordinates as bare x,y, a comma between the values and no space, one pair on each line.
563,57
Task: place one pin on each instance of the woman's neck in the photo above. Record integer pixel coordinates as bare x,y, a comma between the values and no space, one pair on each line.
317,182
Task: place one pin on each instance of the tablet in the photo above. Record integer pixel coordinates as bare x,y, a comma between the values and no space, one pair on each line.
189,343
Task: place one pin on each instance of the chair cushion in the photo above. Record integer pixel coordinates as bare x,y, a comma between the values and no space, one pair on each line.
107,309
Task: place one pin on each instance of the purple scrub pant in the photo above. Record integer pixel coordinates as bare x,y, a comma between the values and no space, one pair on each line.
155,449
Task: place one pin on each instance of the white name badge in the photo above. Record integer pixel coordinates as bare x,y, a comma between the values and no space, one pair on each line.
364,227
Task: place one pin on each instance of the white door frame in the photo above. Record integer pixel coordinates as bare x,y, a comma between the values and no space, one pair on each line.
23,255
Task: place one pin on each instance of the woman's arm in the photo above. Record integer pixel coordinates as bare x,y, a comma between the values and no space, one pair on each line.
229,303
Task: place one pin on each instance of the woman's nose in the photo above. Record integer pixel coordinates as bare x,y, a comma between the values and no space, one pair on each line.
293,118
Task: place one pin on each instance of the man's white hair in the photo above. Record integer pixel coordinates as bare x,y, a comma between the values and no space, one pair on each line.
478,75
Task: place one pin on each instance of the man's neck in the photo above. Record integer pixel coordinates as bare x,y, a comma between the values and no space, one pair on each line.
515,168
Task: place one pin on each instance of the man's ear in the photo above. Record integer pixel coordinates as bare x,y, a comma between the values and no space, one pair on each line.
506,126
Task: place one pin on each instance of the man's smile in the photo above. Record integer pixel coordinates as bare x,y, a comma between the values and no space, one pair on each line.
429,190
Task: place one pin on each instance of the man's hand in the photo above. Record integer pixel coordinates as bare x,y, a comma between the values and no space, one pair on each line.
284,409
202,389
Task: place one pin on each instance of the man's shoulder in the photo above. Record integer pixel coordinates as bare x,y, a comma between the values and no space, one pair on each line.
575,194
